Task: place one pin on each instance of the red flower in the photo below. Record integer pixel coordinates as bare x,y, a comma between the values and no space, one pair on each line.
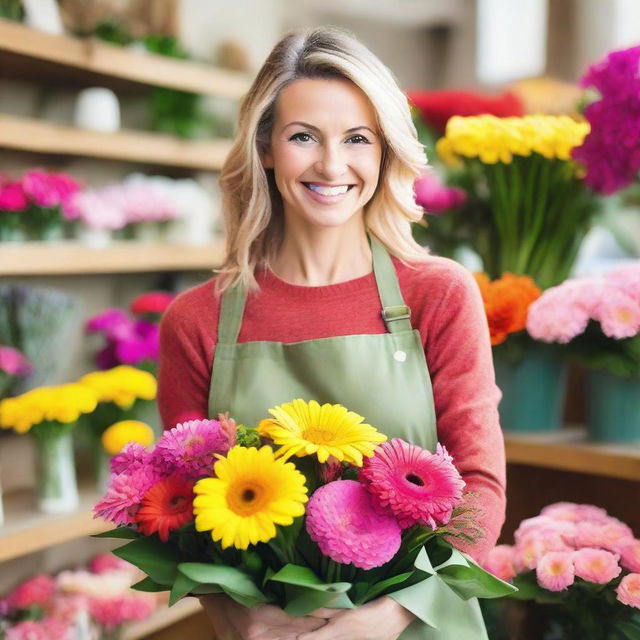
167,506
436,107
152,302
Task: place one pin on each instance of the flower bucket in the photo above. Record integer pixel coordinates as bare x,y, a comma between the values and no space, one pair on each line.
57,486
94,237
533,391
613,407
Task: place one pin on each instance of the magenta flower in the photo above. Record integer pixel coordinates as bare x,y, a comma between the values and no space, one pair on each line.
190,448
133,457
109,321
35,592
596,565
555,570
49,189
104,562
415,485
611,151
434,196
628,591
112,611
13,363
342,520
12,197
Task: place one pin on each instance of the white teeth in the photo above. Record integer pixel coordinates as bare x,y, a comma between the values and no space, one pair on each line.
329,191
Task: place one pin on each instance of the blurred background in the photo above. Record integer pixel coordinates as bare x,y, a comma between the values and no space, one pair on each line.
115,118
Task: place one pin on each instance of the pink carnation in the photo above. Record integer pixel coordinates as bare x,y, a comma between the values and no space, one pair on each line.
628,591
630,555
36,591
12,197
500,562
191,447
14,363
434,196
124,495
342,520
596,565
555,570
415,485
49,189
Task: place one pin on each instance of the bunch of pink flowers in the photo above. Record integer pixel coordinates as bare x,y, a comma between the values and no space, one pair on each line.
568,547
75,604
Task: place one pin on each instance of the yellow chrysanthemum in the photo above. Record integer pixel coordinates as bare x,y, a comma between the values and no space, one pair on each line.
64,403
122,385
492,139
120,433
251,493
306,428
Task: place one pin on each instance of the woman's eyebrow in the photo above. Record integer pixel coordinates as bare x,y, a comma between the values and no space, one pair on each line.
310,126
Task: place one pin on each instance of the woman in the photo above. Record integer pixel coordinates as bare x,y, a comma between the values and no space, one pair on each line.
325,295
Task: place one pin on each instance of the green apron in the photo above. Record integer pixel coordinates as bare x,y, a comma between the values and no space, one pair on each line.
383,377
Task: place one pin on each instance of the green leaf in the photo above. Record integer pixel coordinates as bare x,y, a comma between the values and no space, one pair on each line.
306,592
235,583
148,585
157,559
528,587
181,587
377,589
628,630
126,533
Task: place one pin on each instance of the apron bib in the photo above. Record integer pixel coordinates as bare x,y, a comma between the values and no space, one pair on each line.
383,377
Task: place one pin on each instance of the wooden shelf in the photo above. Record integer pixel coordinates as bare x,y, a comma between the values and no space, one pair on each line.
38,136
86,61
69,258
162,618
26,530
568,450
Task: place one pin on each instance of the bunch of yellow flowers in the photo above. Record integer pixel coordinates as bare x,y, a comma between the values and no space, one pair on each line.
63,404
122,385
493,139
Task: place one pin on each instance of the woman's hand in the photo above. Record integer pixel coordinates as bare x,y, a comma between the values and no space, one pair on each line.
380,619
232,621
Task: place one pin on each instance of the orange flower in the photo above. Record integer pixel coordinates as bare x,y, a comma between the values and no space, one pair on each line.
167,506
506,303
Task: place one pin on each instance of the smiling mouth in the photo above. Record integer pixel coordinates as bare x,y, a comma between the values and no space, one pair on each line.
328,191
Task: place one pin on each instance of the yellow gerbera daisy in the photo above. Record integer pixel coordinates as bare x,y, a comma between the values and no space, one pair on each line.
120,433
306,428
251,493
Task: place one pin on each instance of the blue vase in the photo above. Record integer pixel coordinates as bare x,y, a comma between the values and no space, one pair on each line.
613,407
533,390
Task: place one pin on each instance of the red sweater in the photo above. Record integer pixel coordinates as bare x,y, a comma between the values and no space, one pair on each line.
446,308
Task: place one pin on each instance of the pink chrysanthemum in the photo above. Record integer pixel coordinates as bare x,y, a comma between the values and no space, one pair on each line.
342,520
36,591
596,565
610,534
124,495
190,447
415,485
133,456
555,570
628,591
618,314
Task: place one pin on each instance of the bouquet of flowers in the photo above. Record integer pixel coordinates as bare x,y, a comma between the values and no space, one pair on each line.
581,565
13,365
312,508
597,317
527,207
81,604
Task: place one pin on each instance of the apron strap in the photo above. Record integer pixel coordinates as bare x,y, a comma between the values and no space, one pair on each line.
395,313
231,312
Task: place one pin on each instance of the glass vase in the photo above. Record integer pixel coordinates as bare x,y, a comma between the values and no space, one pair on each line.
56,473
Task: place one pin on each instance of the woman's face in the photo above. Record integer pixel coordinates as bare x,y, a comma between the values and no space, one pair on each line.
325,151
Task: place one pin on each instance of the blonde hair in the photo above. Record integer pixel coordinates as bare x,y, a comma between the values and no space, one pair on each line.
251,203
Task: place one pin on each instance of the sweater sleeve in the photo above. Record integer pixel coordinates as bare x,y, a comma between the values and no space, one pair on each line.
186,354
466,399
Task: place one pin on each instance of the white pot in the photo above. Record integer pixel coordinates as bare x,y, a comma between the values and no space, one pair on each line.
94,237
97,109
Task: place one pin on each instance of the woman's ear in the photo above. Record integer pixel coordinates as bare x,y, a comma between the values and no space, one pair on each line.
267,160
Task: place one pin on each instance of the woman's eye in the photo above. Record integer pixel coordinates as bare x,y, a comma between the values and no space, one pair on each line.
302,137
360,139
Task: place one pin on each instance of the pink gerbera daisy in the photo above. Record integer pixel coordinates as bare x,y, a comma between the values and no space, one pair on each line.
124,495
415,485
342,520
190,447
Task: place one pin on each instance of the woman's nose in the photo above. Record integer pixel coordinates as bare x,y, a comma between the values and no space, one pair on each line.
332,163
